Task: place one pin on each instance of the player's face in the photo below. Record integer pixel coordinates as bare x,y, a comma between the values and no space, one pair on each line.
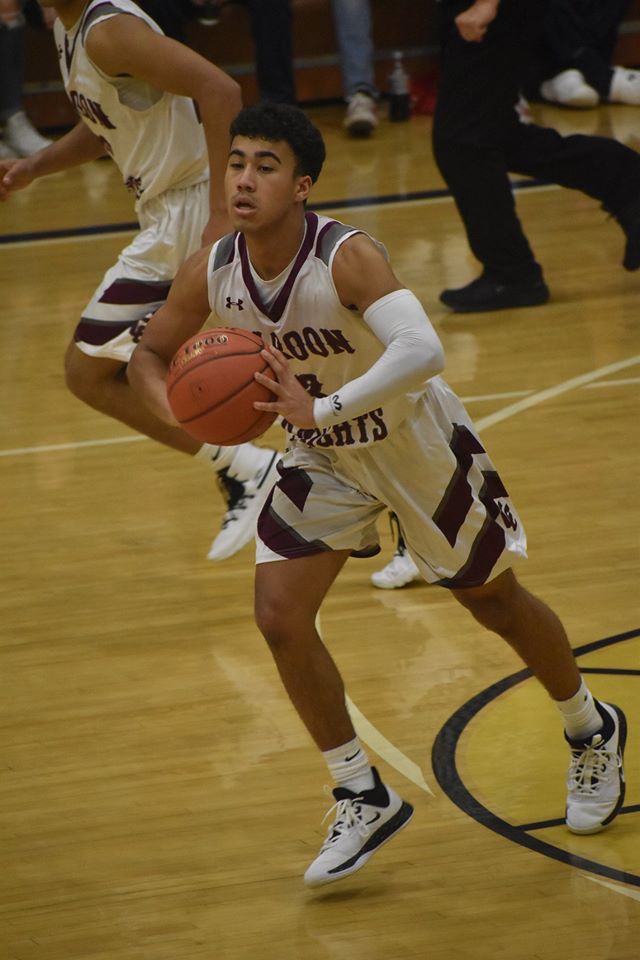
261,184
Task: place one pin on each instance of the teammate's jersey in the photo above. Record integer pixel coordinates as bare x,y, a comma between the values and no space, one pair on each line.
326,344
155,138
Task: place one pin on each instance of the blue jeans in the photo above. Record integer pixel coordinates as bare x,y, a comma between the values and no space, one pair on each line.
352,21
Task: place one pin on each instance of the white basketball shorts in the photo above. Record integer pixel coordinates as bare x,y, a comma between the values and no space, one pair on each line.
455,514
138,283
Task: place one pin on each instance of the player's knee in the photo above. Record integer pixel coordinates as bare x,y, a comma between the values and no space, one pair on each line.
271,620
494,605
280,622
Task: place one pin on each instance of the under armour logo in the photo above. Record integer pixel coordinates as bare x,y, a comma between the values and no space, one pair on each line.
234,303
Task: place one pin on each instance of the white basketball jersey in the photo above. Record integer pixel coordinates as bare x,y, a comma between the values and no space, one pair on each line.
155,138
326,344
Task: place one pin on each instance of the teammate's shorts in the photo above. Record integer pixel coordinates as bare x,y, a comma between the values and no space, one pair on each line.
455,514
138,283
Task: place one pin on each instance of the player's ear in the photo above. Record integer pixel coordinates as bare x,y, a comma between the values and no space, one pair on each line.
303,188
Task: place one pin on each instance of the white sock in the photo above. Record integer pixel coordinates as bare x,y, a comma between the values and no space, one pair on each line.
580,715
349,766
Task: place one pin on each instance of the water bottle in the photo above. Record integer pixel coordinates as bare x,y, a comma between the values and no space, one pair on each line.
399,97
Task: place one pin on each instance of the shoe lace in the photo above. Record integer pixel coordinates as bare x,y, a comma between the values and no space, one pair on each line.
235,494
348,816
591,767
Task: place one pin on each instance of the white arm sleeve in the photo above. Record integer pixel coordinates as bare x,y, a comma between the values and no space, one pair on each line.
413,354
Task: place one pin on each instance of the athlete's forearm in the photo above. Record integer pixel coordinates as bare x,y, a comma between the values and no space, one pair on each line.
147,374
413,354
218,104
77,146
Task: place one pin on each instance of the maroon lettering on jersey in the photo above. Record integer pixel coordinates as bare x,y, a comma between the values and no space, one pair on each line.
90,110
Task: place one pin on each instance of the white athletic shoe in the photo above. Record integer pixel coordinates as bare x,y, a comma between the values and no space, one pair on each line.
398,572
625,86
244,502
361,117
363,823
20,135
570,89
595,784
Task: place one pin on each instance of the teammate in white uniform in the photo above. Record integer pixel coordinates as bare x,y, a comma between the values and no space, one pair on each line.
371,426
162,112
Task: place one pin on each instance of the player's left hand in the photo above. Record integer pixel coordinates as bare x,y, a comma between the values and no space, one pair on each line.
293,402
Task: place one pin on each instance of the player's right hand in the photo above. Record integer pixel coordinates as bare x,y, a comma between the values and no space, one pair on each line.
14,175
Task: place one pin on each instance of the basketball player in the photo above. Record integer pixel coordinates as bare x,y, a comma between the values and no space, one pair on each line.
162,112
371,425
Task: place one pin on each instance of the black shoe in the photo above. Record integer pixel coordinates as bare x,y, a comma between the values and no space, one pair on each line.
208,13
486,294
629,220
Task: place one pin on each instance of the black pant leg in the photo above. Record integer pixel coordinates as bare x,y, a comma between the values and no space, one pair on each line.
271,26
475,111
601,167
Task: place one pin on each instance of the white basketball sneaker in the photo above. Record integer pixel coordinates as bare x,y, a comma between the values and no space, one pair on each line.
20,135
570,89
401,569
625,86
361,117
595,783
363,823
245,499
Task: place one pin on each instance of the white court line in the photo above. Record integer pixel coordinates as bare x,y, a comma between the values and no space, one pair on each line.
77,445
616,887
366,731
80,444
620,382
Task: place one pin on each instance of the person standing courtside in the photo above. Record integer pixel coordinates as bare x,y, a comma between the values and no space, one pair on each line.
371,425
478,139
162,113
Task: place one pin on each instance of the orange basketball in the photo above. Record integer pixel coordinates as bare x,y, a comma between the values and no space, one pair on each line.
211,390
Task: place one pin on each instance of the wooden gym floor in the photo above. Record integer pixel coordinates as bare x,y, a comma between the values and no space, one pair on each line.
160,799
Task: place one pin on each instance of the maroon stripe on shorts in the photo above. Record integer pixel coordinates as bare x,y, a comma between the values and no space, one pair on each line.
97,334
124,292
483,557
283,539
295,484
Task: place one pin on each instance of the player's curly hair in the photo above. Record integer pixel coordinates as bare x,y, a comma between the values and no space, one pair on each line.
280,122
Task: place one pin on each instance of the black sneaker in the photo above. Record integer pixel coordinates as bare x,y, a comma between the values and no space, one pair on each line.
629,220
484,294
208,13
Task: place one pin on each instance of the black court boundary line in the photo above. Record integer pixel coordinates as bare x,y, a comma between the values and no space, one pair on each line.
71,232
443,761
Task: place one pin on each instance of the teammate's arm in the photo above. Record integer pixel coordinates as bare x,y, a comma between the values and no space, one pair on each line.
125,45
77,146
183,314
